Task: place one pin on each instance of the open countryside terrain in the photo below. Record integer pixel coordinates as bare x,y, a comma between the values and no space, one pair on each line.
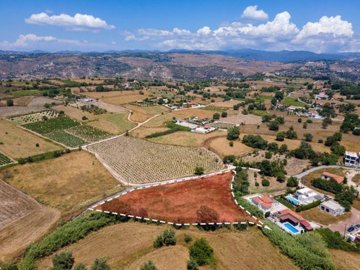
73,182
129,244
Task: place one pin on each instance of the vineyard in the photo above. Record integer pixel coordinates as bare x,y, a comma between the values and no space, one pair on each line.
35,117
4,160
138,161
65,138
88,133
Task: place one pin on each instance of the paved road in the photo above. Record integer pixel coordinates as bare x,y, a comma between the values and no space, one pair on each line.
342,225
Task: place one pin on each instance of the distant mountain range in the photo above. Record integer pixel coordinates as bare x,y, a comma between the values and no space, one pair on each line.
248,54
179,64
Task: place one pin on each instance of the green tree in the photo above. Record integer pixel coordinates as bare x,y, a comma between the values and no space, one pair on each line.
63,261
233,133
224,114
80,266
216,116
265,183
308,137
292,182
100,264
9,102
201,253
280,136
199,170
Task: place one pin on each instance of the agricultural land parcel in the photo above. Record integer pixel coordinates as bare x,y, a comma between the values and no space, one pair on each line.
22,221
179,202
138,161
74,181
18,143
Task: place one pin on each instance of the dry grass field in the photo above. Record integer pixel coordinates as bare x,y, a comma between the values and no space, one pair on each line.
67,183
142,113
184,138
75,113
181,114
114,123
316,215
138,161
351,142
237,117
345,260
16,142
128,245
22,221
118,97
221,146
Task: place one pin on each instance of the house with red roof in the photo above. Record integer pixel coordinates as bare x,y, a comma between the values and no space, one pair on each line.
330,176
298,222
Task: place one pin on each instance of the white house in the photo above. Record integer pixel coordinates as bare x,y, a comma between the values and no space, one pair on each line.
352,159
304,196
332,207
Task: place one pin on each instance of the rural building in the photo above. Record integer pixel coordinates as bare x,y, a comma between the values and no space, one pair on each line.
265,203
322,96
352,159
332,207
330,176
304,196
292,222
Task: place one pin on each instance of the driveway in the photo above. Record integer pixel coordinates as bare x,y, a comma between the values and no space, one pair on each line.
342,225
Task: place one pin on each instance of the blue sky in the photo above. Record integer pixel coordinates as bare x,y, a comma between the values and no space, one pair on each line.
93,25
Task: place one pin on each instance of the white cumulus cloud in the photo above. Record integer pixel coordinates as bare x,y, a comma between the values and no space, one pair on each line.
252,12
76,22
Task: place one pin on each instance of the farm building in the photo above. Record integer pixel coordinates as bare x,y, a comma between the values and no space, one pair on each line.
322,96
332,207
304,196
330,176
292,222
352,159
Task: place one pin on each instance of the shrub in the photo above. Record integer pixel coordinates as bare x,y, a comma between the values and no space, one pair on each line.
292,182
233,133
167,238
206,214
280,136
187,238
201,253
191,265
273,125
265,183
80,266
216,116
63,261
308,137
9,102
199,170
327,185
250,207
100,264
268,155
255,141
224,114
291,134
149,265
336,241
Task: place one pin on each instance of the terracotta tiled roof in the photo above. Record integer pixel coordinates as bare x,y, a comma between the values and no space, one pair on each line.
339,179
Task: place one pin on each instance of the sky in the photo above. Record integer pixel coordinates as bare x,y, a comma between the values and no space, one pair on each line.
94,25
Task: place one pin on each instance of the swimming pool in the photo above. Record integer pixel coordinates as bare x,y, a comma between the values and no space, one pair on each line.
292,200
291,228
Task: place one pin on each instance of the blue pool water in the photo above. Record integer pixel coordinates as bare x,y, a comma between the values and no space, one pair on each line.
291,228
292,200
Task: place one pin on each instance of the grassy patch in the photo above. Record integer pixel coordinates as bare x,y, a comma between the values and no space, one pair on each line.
51,125
215,109
292,102
21,93
65,138
258,112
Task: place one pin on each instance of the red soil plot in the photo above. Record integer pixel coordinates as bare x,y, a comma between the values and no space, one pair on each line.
207,199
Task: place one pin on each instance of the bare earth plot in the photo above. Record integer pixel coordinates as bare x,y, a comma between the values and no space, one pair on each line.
137,161
22,221
128,245
181,202
221,146
17,142
68,183
239,118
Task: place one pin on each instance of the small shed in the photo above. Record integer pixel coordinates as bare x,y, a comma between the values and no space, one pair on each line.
332,207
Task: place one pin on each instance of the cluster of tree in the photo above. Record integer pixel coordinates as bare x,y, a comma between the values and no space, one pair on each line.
272,168
305,151
333,142
66,261
166,238
270,89
274,124
255,141
308,251
344,194
233,133
336,241
351,123
241,181
348,89
201,253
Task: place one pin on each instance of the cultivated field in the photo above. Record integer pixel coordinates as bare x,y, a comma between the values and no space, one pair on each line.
88,133
142,113
137,161
22,221
128,245
34,117
180,202
114,123
67,183
74,112
17,143
221,146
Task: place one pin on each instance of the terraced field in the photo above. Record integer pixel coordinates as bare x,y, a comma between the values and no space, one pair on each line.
137,161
